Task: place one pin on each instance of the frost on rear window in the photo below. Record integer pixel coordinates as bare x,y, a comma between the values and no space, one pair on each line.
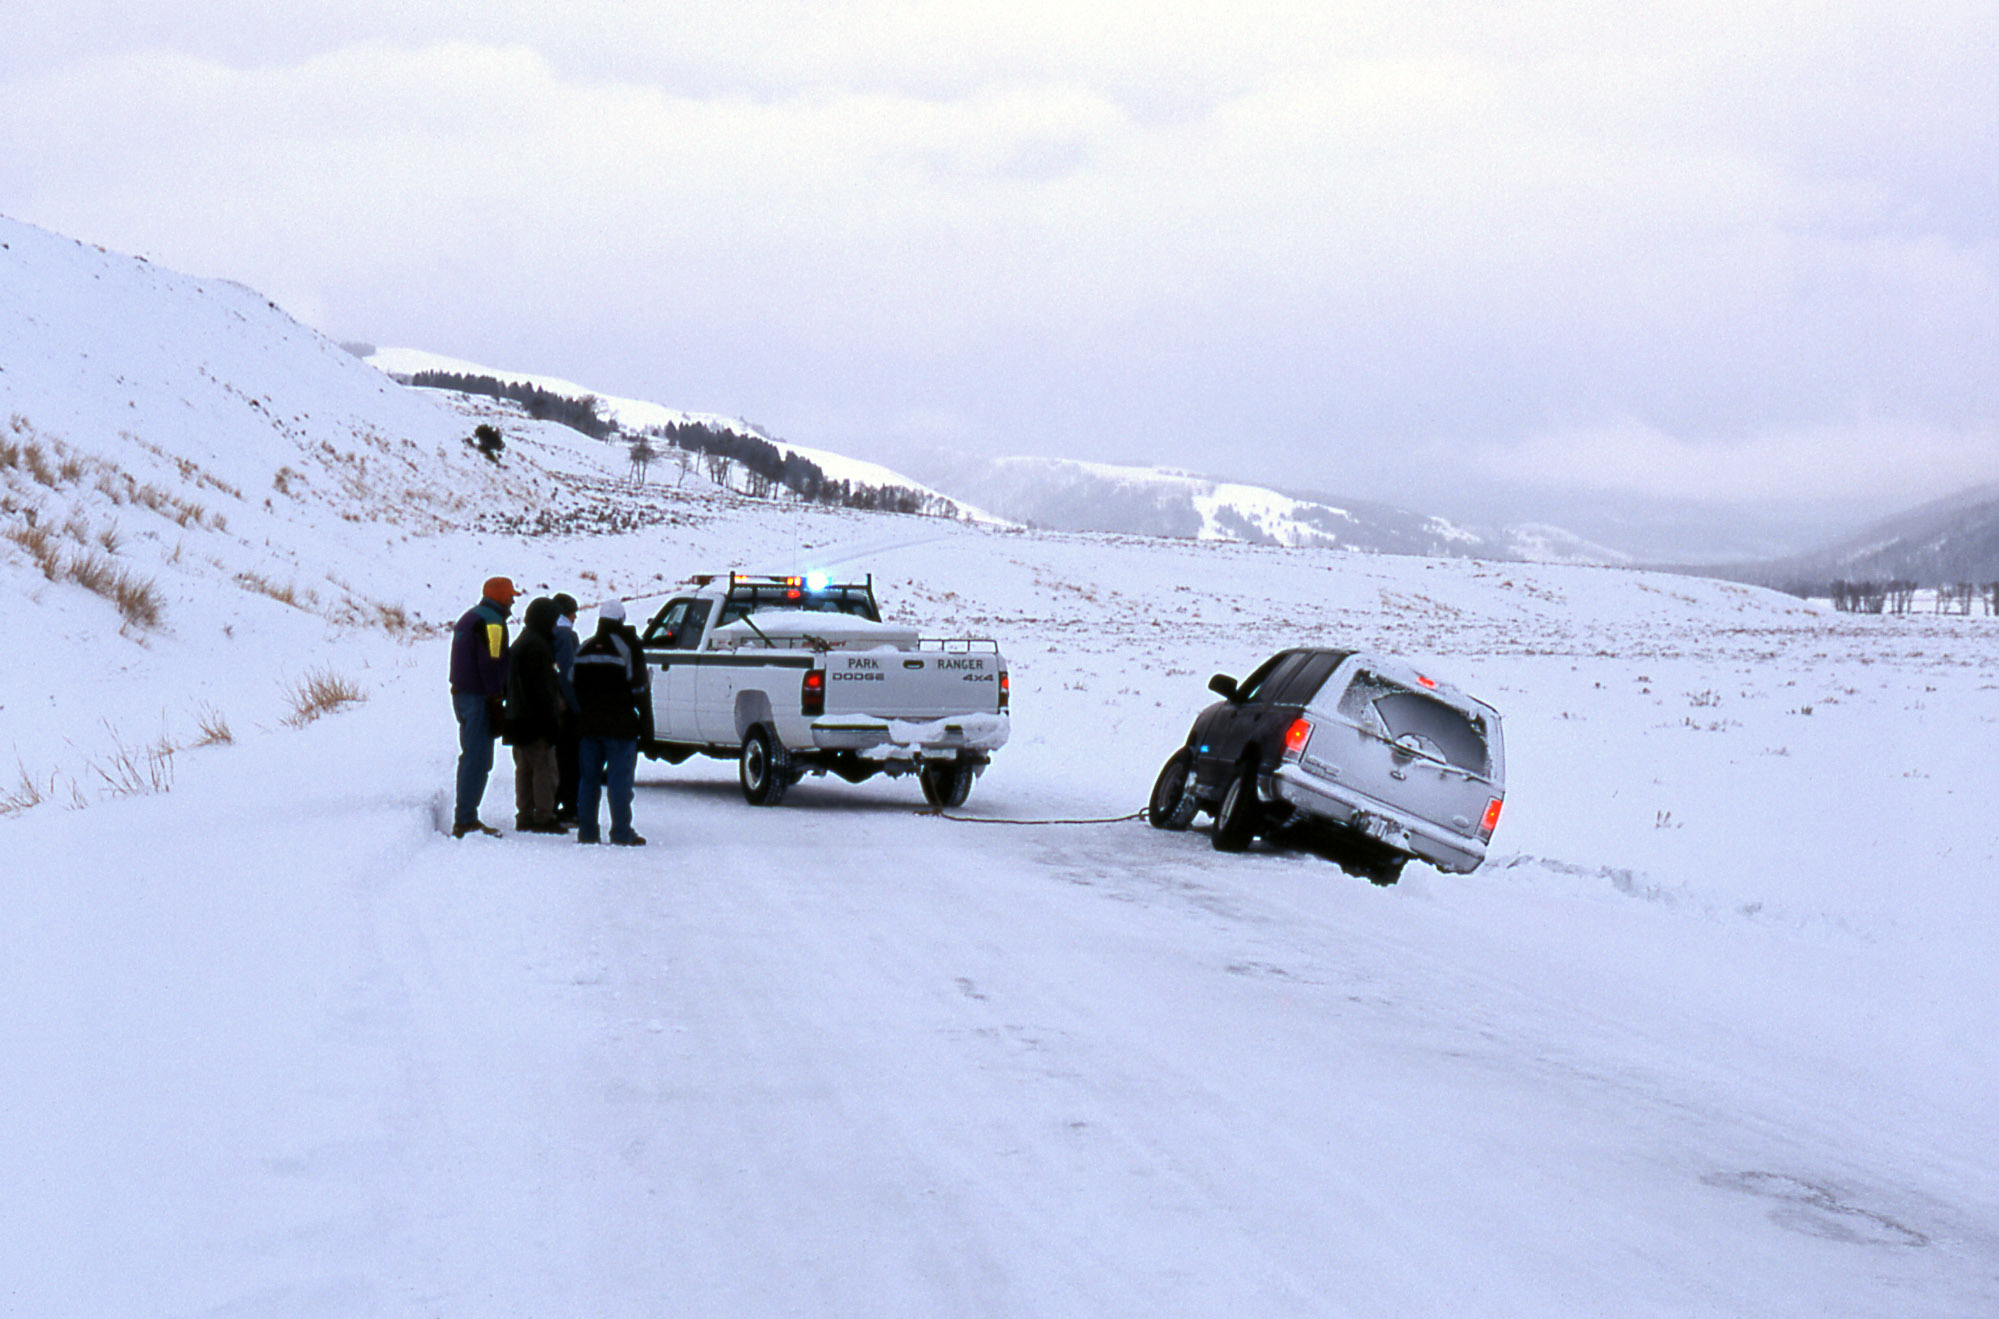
1440,729
1394,712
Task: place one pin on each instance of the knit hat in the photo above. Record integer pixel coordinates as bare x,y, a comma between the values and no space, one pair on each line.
611,611
500,590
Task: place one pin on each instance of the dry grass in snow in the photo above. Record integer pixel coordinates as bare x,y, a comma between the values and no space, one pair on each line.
321,692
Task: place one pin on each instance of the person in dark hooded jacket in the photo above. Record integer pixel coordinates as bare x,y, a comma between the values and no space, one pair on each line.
566,642
612,686
534,719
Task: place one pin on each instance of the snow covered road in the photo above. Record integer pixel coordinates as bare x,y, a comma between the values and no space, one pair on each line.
292,1051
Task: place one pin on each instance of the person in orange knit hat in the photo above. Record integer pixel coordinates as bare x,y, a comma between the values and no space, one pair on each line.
478,684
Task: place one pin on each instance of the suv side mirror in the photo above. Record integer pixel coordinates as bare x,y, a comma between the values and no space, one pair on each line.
1223,686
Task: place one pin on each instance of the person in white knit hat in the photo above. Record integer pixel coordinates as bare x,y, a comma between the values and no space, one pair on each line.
615,695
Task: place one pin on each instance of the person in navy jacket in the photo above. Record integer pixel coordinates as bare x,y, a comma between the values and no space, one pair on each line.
478,684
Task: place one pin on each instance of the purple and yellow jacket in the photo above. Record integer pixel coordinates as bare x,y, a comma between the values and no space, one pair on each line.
479,651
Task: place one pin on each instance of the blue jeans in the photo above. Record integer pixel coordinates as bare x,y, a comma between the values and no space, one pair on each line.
475,755
605,764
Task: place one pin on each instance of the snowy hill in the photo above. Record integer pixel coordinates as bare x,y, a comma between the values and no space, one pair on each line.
635,415
1071,495
1540,542
1699,1038
1941,543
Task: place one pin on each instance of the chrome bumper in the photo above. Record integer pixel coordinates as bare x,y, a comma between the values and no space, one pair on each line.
908,739
1449,852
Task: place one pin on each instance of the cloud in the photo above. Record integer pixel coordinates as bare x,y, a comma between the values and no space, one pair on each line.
1849,464
1273,239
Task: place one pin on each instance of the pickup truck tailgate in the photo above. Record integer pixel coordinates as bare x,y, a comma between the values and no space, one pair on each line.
905,684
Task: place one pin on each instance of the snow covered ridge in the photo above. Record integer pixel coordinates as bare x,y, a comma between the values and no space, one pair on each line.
1071,495
195,488
639,416
1942,543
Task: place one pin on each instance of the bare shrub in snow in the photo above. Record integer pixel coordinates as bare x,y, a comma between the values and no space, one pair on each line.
394,620
137,599
27,794
321,692
10,455
215,731
39,542
92,572
136,772
38,464
286,594
109,538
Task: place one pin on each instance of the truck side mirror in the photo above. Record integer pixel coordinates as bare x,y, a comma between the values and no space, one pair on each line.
1223,686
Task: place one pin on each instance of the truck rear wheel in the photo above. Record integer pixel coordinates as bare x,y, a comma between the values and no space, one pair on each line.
765,769
946,786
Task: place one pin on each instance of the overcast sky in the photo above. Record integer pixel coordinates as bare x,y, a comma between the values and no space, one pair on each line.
1740,250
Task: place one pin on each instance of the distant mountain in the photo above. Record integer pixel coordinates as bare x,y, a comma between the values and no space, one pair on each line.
1952,540
1069,495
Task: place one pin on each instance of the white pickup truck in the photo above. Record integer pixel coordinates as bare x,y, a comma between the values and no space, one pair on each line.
792,676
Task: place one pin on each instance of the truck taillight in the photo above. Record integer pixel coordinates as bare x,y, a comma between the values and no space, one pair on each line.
1006,689
1295,738
1491,820
812,692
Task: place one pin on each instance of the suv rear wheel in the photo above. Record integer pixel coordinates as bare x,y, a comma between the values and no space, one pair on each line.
1237,818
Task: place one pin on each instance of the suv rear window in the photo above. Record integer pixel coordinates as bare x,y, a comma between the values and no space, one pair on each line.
1394,711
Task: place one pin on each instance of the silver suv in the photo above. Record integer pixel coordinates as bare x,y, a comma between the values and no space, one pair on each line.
1362,757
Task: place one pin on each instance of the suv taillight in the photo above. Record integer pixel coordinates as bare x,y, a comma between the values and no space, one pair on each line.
1491,820
812,693
1295,738
1006,689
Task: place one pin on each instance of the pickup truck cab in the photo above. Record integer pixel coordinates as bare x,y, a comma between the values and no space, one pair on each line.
1364,754
799,675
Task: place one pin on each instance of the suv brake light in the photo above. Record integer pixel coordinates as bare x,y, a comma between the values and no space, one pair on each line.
1491,820
1295,738
812,693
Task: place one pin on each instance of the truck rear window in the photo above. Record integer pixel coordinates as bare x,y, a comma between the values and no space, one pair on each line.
756,602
